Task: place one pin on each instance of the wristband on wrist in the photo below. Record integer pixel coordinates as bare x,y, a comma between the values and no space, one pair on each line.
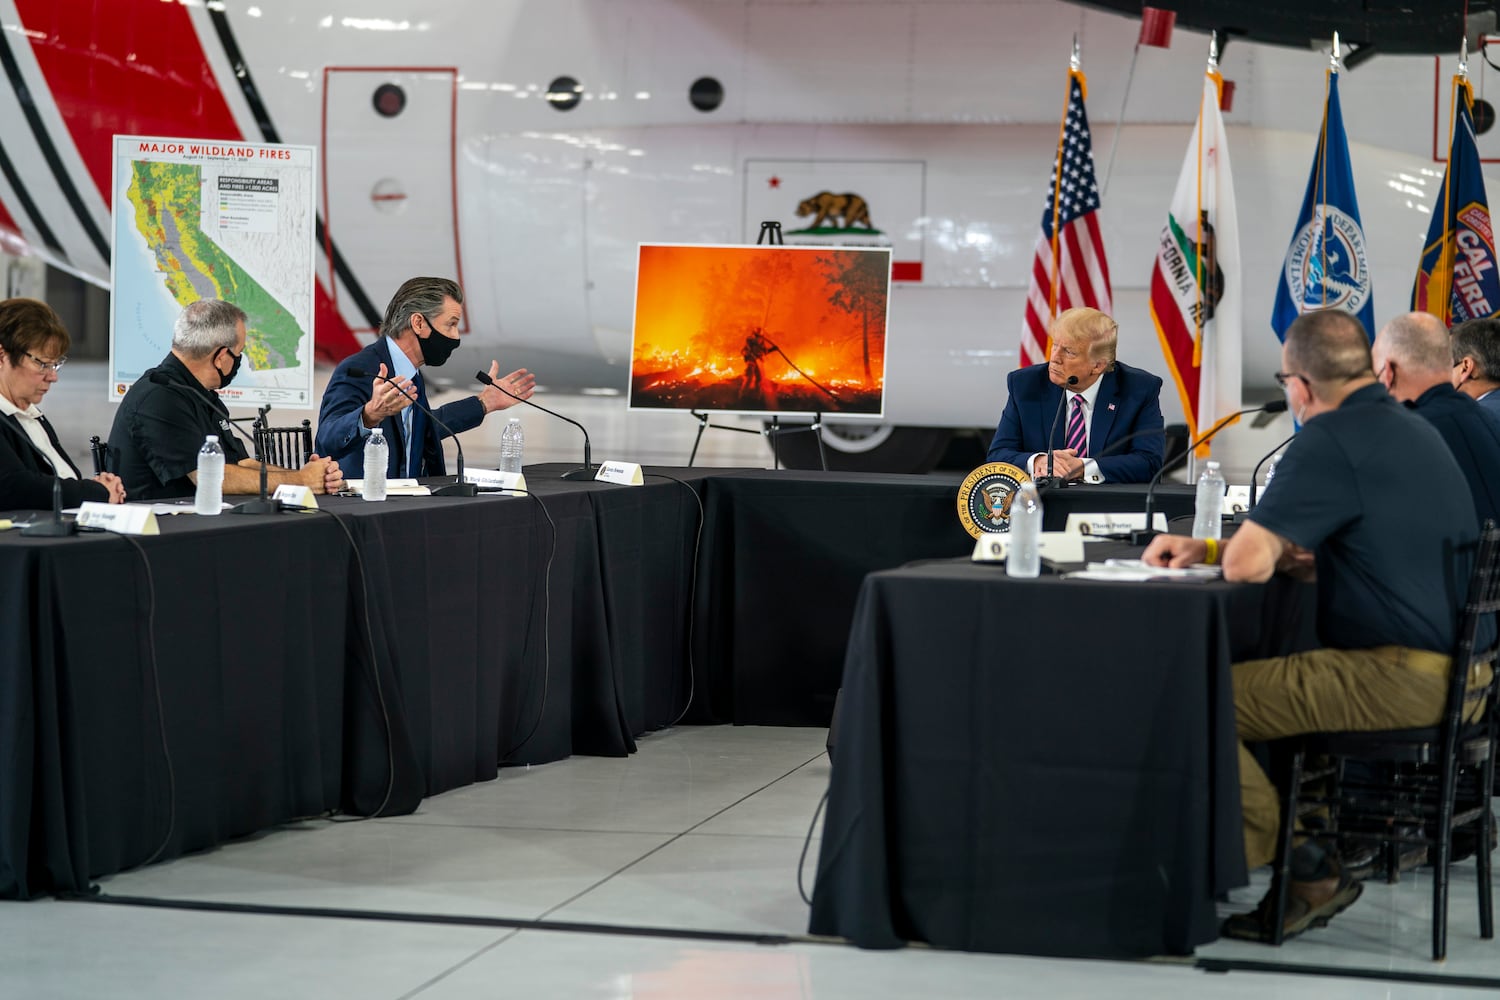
1212,555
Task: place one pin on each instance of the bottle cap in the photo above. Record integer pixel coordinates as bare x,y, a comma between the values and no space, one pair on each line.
378,432
212,437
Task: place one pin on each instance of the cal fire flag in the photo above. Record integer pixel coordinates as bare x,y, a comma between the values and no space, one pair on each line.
1196,293
1069,269
1325,265
1456,278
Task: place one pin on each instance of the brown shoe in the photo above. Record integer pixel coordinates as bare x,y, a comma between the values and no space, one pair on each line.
1308,904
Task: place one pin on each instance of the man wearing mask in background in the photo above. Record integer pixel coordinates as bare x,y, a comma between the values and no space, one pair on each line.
420,329
163,419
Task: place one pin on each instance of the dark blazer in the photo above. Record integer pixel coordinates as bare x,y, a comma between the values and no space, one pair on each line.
26,476
1472,433
1128,401
340,434
1491,403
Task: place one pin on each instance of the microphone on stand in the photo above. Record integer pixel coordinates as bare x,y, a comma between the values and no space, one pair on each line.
263,504
1142,536
1049,481
588,470
55,526
454,489
1256,474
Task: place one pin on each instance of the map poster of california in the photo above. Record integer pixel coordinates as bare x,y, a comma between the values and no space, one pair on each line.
200,219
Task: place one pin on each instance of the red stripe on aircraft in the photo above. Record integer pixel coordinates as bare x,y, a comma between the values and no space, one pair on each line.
136,67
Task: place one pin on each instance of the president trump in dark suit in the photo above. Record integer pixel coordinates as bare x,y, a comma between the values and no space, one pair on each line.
1107,402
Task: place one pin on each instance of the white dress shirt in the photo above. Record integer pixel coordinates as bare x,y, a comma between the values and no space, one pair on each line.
1091,473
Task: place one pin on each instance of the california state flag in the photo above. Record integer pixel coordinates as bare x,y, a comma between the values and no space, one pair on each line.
1196,293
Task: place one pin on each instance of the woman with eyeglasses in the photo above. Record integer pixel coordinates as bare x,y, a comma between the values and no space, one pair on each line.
33,347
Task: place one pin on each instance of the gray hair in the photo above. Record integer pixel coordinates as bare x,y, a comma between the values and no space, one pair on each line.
1479,339
1418,340
418,295
205,326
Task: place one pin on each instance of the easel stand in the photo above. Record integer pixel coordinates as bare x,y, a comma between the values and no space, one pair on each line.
771,433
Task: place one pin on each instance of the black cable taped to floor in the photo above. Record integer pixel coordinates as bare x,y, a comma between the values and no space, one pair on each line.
394,916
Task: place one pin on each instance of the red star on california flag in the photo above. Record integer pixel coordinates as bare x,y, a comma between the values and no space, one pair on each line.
775,181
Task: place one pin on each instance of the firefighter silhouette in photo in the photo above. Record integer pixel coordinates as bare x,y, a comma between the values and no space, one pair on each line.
756,347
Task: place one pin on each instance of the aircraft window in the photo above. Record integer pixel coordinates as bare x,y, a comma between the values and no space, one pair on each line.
1484,116
706,93
564,93
389,100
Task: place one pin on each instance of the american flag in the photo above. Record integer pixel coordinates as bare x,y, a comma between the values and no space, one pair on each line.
1073,201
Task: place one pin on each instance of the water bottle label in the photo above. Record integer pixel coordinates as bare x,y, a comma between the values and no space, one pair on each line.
986,495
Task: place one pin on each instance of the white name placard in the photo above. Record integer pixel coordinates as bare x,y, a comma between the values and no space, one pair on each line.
620,473
1098,523
1056,546
296,496
506,482
123,519
1236,499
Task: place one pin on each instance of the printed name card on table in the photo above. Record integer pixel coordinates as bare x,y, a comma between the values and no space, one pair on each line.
123,519
1099,523
1054,546
506,482
296,496
1236,499
620,473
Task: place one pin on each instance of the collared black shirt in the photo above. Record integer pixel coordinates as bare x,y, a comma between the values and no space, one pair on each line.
1472,433
1372,489
159,430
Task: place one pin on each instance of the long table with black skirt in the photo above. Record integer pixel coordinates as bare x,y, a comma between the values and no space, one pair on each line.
1041,766
786,554
265,670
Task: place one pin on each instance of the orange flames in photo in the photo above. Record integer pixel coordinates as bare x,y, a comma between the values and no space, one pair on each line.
762,329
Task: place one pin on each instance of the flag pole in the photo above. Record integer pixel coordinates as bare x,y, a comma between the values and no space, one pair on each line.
1062,131
1460,81
1322,199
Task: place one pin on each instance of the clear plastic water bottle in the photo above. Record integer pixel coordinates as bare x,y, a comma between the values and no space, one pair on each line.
1208,515
376,457
209,499
1023,557
512,446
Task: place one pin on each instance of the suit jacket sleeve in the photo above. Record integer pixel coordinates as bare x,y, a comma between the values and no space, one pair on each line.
1009,441
460,415
1140,458
340,426
25,485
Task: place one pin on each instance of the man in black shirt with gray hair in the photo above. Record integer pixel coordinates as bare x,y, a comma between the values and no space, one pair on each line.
1369,497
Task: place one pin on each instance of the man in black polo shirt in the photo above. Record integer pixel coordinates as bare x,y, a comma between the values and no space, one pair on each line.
1412,360
1369,496
167,413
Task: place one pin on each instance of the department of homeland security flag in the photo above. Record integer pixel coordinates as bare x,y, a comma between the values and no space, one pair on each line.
1196,293
1456,278
1069,269
1325,266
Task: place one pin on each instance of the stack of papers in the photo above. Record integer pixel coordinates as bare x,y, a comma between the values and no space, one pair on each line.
1126,570
393,488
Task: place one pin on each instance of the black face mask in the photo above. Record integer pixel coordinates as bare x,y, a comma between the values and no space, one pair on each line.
224,380
436,348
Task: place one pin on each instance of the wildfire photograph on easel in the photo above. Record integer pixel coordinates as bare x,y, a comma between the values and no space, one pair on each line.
760,329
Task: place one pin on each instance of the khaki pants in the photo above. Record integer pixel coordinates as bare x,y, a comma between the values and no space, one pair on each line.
1327,690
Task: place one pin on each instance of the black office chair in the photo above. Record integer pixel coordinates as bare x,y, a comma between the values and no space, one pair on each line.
100,452
287,447
1421,784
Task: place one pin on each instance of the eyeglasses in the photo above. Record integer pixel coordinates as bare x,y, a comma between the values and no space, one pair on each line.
46,366
1282,377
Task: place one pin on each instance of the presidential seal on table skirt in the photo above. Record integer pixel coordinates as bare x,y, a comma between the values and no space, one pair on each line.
985,496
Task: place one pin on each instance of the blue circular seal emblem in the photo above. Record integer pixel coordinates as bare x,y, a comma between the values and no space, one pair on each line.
985,496
1326,267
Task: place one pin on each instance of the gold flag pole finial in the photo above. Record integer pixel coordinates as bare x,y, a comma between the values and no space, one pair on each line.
1213,51
1463,58
1076,62
1333,59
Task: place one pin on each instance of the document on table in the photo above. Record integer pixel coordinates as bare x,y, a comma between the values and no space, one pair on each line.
1128,570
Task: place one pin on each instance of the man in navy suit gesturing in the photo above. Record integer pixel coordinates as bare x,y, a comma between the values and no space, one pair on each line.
1107,402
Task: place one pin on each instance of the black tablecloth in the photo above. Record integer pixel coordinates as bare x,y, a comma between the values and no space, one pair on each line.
247,684
1043,766
784,556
